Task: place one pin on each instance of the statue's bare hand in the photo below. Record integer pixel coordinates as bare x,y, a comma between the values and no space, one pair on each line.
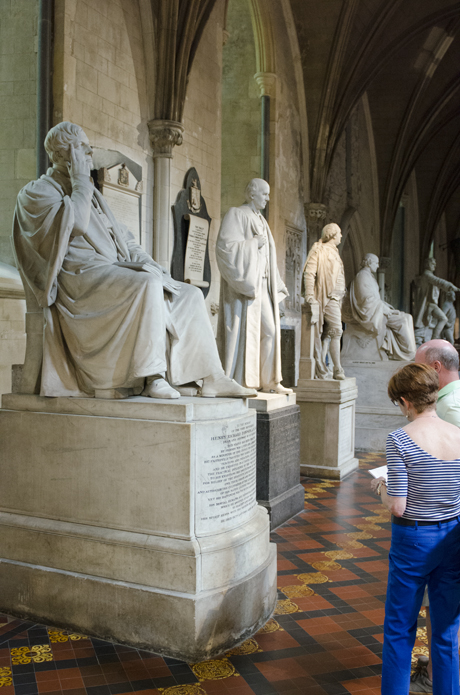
261,241
79,164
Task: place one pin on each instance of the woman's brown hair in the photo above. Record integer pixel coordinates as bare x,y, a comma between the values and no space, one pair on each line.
417,383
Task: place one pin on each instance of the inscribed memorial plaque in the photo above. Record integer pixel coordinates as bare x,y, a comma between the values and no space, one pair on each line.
196,251
226,475
346,431
125,208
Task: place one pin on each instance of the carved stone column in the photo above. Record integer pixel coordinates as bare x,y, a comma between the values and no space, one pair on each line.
266,81
164,135
315,215
384,264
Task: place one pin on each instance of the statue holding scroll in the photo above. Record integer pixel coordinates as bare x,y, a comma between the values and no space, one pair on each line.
324,288
248,333
375,330
114,318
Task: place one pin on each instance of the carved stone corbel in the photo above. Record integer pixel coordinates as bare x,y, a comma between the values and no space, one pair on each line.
315,216
266,81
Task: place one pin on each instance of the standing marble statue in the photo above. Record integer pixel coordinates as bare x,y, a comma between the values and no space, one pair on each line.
324,289
114,318
372,318
429,319
448,308
248,333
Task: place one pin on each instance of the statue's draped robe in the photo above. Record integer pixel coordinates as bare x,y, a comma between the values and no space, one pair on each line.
105,326
364,306
243,266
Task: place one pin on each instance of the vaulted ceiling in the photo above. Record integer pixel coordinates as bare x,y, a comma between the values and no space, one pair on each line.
405,54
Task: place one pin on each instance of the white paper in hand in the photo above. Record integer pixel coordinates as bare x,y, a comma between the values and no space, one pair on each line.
380,472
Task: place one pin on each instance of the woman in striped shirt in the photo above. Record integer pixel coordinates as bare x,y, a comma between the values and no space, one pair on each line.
423,495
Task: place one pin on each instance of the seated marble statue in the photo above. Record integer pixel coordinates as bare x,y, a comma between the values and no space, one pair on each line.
375,330
114,318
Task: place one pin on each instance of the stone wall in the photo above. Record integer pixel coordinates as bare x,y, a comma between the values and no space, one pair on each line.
201,147
241,115
18,78
99,81
12,320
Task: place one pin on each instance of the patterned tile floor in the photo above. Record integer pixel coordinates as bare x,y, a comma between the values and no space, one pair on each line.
324,639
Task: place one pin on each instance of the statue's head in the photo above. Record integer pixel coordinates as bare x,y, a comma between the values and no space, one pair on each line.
430,264
258,193
331,231
59,139
370,261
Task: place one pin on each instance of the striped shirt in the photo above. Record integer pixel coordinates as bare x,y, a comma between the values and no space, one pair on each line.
431,485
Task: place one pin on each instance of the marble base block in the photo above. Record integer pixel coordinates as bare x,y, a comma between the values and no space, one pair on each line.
327,427
278,456
135,521
376,416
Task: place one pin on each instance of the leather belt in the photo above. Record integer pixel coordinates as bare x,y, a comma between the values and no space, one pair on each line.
400,521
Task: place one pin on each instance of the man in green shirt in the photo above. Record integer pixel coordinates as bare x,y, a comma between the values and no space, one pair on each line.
443,357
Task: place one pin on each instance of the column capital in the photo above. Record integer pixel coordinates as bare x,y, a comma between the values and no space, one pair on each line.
164,135
266,82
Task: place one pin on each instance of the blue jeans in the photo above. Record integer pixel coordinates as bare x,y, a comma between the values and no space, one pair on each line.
421,555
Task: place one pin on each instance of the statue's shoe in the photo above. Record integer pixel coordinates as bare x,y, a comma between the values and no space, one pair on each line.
226,388
160,389
339,374
277,388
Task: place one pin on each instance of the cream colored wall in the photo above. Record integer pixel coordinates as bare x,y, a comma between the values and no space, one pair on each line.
201,146
100,83
18,78
12,338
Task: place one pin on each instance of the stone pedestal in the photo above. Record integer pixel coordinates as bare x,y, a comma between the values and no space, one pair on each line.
376,416
278,456
327,415
327,427
135,521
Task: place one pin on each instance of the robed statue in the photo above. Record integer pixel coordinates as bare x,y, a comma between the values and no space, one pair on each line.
374,329
248,333
114,318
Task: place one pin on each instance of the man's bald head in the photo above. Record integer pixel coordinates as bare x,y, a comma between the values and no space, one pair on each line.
442,356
